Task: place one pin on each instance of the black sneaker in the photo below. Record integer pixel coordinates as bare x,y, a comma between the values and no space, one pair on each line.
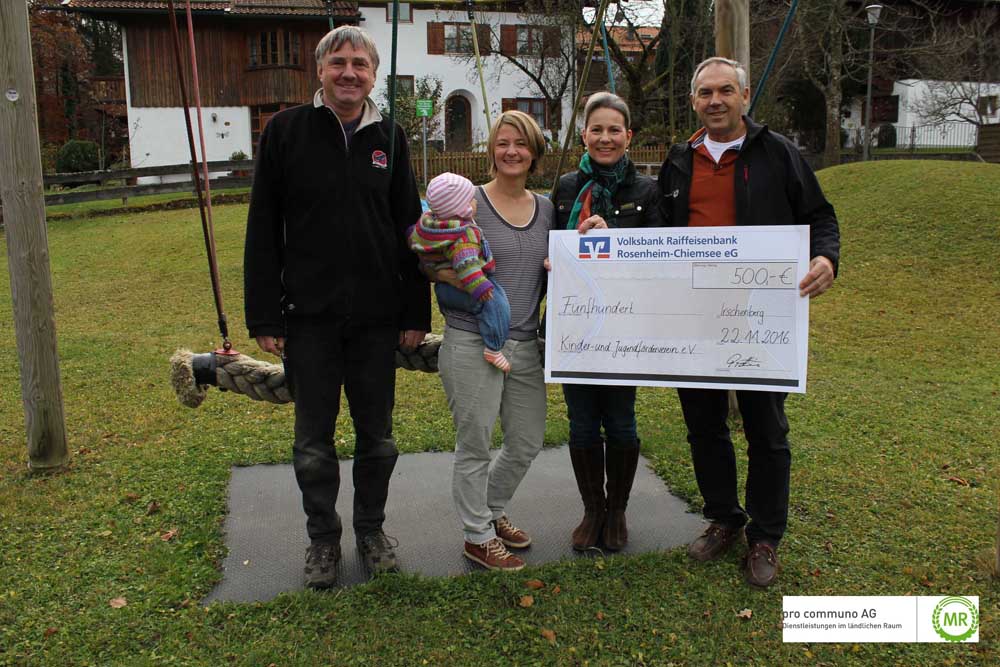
321,565
376,549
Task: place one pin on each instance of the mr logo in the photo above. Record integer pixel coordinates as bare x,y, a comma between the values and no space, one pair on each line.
956,618
379,160
595,247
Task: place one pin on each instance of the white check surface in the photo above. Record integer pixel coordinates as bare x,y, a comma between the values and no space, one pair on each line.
709,307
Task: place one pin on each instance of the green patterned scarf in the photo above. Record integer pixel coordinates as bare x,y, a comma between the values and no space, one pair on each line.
603,184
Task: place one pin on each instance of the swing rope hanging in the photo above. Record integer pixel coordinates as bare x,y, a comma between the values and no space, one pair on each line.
584,76
204,196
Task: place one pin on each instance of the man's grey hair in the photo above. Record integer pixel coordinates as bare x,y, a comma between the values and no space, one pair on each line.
605,100
347,34
741,74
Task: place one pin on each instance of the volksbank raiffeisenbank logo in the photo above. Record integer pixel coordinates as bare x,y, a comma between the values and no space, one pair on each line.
595,247
955,618
881,619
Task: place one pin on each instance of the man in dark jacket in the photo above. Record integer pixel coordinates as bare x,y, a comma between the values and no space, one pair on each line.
736,172
332,288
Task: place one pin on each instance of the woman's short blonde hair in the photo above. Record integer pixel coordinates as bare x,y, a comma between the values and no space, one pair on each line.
528,128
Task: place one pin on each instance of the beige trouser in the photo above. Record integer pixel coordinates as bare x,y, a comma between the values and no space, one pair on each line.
477,392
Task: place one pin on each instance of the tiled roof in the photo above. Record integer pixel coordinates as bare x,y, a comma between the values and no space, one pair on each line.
315,8
627,41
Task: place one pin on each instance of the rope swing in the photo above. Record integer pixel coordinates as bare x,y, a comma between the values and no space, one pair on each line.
392,86
479,64
570,134
770,59
204,196
192,374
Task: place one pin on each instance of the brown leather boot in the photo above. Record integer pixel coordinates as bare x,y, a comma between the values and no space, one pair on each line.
588,467
620,462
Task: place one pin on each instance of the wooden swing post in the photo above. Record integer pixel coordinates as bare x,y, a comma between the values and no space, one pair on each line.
27,245
732,31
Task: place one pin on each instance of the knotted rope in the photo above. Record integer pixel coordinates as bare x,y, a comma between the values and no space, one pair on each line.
192,374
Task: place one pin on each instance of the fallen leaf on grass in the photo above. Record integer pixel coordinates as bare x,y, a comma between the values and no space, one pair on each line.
815,573
746,613
118,603
556,590
600,616
169,535
958,480
549,634
50,631
526,601
152,508
534,584
104,533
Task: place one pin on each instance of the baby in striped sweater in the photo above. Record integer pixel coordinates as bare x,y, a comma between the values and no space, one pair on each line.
447,237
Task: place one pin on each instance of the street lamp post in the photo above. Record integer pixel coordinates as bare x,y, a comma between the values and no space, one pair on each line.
873,14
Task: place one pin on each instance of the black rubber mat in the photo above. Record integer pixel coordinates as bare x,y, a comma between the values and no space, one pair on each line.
265,528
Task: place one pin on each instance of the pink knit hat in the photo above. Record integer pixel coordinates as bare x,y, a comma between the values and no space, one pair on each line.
450,196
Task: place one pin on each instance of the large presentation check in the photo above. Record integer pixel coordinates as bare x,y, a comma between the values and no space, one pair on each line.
709,307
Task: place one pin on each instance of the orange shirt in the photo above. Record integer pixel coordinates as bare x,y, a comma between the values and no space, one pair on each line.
713,195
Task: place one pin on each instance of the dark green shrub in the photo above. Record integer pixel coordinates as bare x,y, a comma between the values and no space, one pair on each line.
77,155
886,136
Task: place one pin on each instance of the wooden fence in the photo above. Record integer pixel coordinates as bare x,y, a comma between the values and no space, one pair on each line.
238,174
475,166
989,143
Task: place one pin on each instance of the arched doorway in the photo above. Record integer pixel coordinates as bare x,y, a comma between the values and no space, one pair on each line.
457,124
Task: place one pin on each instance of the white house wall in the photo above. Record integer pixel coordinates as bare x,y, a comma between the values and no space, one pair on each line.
158,135
914,130
457,77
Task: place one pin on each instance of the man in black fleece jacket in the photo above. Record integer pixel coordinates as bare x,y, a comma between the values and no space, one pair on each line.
331,287
737,172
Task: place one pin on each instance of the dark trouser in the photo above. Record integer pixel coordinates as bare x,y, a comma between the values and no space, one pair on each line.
592,406
770,459
320,356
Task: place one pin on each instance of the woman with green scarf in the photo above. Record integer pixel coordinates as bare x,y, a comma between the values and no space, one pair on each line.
605,192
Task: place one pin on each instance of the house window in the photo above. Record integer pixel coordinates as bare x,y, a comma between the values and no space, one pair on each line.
987,105
457,38
405,13
259,116
529,40
405,86
534,107
275,48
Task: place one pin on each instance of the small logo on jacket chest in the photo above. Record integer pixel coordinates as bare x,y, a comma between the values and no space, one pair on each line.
380,160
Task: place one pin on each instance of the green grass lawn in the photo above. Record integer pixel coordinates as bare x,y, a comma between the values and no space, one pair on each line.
903,400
